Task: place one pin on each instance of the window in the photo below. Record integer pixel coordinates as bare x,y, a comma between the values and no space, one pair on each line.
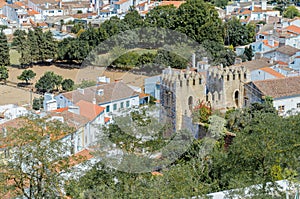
298,105
127,103
115,107
51,11
281,108
200,81
194,82
122,105
107,108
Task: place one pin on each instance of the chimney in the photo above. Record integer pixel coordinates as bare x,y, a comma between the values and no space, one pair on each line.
194,60
74,109
237,61
100,92
271,42
263,4
47,5
81,90
252,6
271,61
94,101
60,4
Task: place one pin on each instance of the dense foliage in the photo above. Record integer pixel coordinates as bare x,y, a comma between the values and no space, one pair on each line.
264,150
197,19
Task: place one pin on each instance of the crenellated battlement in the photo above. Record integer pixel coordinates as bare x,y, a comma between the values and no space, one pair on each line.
221,87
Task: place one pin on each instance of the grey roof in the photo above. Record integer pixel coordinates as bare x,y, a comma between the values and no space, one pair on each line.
257,64
111,92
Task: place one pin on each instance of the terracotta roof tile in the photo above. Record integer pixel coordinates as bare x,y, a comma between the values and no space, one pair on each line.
106,119
266,43
32,12
89,110
174,3
60,110
121,2
277,88
273,72
282,63
293,29
72,119
2,3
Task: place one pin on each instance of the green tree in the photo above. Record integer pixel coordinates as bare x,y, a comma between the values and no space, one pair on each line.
27,75
20,42
248,53
200,21
37,160
133,20
237,34
33,44
129,59
162,16
3,73
291,12
37,103
67,84
86,84
48,82
4,50
48,47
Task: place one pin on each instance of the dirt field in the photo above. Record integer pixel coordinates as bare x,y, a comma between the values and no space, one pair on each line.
89,73
14,95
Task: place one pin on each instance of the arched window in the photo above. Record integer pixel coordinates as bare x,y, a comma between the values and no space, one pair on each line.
190,102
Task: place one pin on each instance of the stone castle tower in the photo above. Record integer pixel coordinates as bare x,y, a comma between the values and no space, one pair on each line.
181,90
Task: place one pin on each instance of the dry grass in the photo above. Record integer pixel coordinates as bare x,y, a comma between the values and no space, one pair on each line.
18,96
12,95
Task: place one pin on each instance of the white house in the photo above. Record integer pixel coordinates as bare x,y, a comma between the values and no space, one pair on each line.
285,54
11,111
16,13
115,97
284,91
47,7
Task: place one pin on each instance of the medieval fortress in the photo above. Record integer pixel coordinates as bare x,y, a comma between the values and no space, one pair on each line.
220,87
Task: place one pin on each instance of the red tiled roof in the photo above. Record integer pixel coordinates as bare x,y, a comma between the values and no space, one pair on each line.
293,29
80,157
174,3
282,63
89,110
273,72
60,110
32,12
121,2
2,3
155,173
106,119
266,43
19,3
143,95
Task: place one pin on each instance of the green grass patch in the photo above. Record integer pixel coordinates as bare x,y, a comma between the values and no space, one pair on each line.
14,57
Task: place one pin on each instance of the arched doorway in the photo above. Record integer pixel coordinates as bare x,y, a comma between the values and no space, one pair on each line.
236,98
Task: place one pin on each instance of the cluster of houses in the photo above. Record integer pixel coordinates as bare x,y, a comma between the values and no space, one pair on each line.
86,110
26,14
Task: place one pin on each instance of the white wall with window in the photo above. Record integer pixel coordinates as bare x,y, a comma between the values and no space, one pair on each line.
119,105
286,104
